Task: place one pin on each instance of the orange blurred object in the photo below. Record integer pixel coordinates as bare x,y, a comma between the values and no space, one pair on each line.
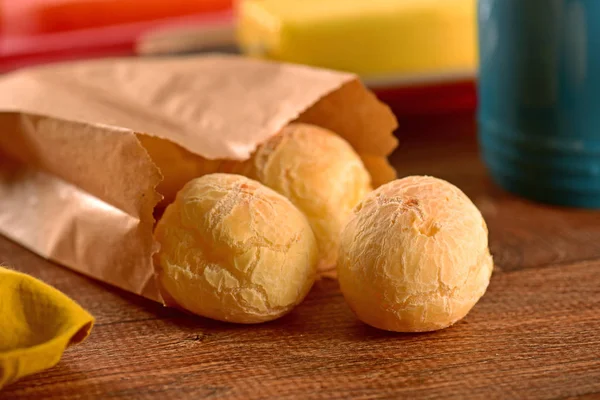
67,15
43,31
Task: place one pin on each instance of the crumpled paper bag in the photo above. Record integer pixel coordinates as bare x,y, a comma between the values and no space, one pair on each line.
77,184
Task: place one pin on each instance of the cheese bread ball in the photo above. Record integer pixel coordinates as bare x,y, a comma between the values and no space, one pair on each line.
320,173
235,250
414,256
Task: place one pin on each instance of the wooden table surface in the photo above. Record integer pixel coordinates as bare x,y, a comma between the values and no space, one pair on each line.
535,334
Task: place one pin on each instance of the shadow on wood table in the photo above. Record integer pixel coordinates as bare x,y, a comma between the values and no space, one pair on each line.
535,334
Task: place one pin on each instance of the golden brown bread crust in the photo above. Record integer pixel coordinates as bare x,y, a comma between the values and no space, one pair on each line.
414,256
235,250
319,172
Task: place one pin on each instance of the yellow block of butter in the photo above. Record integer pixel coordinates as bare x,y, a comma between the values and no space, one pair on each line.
373,38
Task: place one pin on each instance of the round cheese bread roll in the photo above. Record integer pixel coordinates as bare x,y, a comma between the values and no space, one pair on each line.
235,250
319,172
414,256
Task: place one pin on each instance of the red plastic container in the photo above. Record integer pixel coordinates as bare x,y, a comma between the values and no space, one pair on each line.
40,31
443,97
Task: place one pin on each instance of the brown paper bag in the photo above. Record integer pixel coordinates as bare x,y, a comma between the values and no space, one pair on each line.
78,187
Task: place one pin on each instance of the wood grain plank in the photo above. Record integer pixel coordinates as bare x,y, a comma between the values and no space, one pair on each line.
534,334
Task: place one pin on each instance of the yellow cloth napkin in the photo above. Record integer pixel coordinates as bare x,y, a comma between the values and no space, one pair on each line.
37,323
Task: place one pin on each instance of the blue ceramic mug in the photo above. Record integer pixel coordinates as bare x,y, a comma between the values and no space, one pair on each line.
539,98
